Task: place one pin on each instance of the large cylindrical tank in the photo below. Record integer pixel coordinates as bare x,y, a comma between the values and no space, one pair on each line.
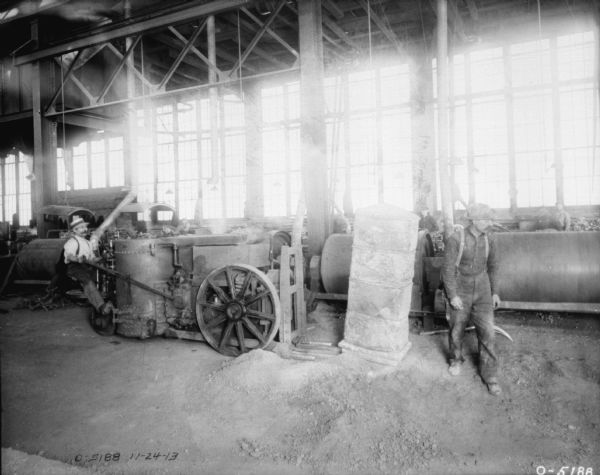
381,274
538,266
549,267
38,259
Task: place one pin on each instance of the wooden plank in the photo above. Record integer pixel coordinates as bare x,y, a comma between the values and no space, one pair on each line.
298,289
285,296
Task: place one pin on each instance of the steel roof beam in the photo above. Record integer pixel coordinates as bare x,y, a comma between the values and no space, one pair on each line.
387,31
133,27
115,73
183,52
271,32
238,64
196,51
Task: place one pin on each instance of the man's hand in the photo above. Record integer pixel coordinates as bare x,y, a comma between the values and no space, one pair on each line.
495,300
456,303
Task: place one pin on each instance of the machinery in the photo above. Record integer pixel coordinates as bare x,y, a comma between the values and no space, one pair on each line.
546,271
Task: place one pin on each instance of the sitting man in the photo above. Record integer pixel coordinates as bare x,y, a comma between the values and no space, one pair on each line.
78,250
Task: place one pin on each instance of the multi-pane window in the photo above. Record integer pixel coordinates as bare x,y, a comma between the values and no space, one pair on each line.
579,117
96,163
505,106
281,149
15,188
369,137
175,157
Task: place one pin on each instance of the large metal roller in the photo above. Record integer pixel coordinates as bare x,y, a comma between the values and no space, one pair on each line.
38,259
533,267
549,266
337,254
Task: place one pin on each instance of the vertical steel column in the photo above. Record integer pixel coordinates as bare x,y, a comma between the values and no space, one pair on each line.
44,189
442,84
130,141
213,97
312,126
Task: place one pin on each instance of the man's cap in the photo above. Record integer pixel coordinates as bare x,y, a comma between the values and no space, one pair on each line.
479,211
77,220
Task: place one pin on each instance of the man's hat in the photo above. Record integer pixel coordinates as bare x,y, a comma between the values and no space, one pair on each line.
77,220
479,211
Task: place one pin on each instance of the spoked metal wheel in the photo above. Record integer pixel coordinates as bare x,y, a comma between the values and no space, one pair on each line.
237,309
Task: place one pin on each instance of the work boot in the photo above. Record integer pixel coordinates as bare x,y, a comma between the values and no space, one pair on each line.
454,368
494,389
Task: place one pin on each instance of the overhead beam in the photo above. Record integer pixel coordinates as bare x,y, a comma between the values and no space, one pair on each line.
182,53
134,27
278,38
92,122
333,9
63,81
190,89
79,84
196,51
334,27
115,73
139,75
387,31
259,34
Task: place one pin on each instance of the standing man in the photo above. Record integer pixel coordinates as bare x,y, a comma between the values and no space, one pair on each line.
469,275
78,250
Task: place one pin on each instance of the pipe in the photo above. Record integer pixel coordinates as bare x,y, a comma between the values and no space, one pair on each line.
546,271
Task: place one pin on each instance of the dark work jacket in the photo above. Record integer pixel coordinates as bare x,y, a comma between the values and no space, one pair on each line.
472,262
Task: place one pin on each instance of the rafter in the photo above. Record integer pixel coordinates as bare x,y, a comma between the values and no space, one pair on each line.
196,51
387,31
129,28
183,52
64,79
77,83
117,70
259,34
271,32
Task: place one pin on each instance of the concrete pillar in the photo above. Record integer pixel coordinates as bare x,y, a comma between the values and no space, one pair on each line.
380,290
312,126
423,136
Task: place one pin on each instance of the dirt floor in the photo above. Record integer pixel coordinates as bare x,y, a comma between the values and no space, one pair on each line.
123,406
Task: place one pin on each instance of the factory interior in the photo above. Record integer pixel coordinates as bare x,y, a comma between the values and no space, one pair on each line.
265,197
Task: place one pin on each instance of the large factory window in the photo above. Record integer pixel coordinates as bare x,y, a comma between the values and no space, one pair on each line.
15,188
281,149
369,137
506,104
579,117
97,163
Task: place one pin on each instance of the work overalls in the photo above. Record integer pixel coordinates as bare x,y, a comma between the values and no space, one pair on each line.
473,281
